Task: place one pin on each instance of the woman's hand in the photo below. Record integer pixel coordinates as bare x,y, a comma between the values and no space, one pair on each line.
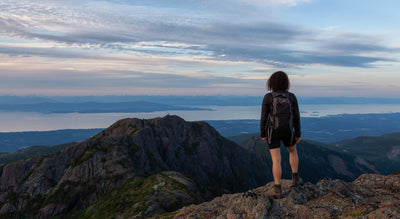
297,139
264,138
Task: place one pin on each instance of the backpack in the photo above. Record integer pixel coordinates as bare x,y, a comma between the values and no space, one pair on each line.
281,113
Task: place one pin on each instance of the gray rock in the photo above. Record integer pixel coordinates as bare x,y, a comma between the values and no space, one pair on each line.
369,196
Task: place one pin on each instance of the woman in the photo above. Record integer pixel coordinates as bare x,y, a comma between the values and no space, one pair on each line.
273,133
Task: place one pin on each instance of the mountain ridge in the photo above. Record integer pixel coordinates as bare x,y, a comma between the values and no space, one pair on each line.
383,150
323,129
13,141
316,160
32,151
77,177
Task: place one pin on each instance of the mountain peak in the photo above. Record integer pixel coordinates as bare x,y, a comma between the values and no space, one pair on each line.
369,196
129,150
130,126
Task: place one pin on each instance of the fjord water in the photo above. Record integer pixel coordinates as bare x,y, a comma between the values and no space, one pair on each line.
27,121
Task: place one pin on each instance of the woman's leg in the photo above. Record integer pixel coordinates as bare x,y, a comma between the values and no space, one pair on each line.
276,165
294,164
293,158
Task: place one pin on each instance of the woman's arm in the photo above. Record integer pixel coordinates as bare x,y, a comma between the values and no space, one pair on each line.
264,117
296,118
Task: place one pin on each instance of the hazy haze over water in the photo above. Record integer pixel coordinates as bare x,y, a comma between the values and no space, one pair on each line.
25,121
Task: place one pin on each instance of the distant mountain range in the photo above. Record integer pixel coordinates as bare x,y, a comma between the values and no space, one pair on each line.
383,151
379,153
135,104
316,159
329,129
33,151
13,141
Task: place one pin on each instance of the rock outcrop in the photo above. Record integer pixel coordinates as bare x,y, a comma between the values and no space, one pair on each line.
369,196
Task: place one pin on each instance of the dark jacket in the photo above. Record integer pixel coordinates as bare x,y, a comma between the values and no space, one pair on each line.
266,108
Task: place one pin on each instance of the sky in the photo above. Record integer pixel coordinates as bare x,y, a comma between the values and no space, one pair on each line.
190,47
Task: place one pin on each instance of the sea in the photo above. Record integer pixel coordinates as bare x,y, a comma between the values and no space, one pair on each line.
30,121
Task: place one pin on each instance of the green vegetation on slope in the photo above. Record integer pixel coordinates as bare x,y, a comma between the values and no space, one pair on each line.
13,141
383,150
144,197
316,159
396,172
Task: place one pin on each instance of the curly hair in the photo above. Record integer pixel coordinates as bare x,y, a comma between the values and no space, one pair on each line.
278,81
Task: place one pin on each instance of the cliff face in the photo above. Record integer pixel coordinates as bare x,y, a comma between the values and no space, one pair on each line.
369,196
130,149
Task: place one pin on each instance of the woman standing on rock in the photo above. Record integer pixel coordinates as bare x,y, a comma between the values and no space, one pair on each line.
280,121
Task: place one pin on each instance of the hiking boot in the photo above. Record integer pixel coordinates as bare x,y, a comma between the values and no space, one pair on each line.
296,180
278,191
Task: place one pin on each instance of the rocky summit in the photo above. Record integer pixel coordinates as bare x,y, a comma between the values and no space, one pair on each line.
369,196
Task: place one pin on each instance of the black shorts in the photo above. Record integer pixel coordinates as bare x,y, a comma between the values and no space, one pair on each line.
284,135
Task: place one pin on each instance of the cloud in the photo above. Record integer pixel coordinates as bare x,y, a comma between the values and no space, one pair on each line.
353,43
287,58
118,82
44,52
164,29
288,3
